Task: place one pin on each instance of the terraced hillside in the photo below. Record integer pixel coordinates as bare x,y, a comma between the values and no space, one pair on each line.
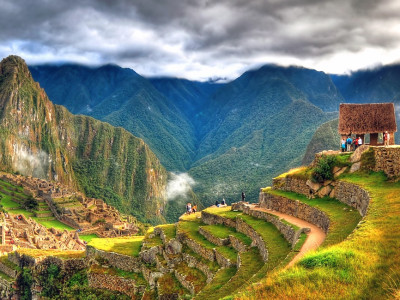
246,251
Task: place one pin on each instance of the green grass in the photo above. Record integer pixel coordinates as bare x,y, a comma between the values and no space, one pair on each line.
88,237
191,228
151,241
137,277
53,224
8,203
193,275
64,254
168,284
223,211
11,265
169,231
251,263
6,277
343,218
366,265
223,232
219,280
21,211
122,245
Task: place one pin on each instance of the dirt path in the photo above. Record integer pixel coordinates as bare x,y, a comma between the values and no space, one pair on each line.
314,238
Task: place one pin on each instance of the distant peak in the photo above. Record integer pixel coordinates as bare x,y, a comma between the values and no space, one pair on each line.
13,65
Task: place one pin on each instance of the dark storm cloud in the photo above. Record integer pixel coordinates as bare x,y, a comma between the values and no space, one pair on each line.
178,37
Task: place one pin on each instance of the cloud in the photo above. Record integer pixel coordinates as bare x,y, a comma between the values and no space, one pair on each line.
203,39
180,185
30,163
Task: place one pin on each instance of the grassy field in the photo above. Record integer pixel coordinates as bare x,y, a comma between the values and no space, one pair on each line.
223,232
366,265
53,224
88,237
66,254
123,245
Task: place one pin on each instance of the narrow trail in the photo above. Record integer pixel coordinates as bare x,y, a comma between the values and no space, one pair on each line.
314,238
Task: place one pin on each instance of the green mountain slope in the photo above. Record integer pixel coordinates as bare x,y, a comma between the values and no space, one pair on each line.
45,140
123,98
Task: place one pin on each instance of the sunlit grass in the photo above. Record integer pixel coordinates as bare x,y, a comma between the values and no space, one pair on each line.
364,266
66,254
53,224
169,231
88,237
123,245
222,232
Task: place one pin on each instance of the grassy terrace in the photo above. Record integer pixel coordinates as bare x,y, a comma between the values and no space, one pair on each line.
4,260
88,237
223,232
223,211
365,265
193,275
191,228
343,217
169,231
212,265
219,280
168,284
137,277
122,245
151,241
65,254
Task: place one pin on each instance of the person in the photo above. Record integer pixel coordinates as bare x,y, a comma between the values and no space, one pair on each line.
343,143
360,142
217,203
223,201
386,138
194,208
188,208
355,142
243,197
348,142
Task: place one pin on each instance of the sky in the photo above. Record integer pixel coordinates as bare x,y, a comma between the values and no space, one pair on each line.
202,39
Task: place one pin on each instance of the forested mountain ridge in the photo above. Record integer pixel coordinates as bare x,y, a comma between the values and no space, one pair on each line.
45,140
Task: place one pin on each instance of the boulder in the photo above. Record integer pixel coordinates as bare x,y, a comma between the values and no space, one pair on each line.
313,185
356,156
324,191
340,172
355,167
173,247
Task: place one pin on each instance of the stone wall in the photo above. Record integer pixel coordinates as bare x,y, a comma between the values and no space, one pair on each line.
297,209
211,219
115,283
292,184
223,261
7,270
258,241
187,284
194,263
387,159
352,195
212,238
204,252
6,289
237,244
119,261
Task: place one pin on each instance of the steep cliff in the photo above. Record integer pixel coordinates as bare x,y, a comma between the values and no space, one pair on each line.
40,139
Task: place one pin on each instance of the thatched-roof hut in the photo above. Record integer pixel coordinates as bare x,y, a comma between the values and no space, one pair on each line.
368,119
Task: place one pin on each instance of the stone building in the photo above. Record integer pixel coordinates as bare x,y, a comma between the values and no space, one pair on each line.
369,121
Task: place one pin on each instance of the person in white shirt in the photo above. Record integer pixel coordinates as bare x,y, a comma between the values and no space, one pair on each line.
360,141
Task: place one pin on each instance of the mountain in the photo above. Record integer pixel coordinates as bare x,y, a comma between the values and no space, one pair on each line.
45,140
123,98
229,136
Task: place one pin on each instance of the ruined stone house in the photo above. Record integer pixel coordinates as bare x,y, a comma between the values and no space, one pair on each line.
369,121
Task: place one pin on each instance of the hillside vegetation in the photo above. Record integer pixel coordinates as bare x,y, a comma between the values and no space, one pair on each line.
44,140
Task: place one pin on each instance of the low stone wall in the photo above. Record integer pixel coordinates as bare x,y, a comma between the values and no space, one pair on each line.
297,209
211,219
6,289
119,261
222,260
187,284
258,241
150,276
7,270
237,244
352,195
212,238
292,184
387,159
204,252
114,283
194,263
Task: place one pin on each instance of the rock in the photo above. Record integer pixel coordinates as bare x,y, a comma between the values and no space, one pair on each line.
335,169
327,182
173,247
356,156
332,194
312,185
324,191
340,172
355,167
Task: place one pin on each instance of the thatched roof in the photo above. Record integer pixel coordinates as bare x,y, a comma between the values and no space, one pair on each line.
366,118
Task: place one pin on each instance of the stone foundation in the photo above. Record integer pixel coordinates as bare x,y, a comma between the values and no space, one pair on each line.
213,239
387,159
119,261
352,195
211,219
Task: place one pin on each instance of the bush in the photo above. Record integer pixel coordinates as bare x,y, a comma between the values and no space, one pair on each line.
323,170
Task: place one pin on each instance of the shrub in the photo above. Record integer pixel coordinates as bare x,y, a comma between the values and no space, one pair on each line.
323,170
